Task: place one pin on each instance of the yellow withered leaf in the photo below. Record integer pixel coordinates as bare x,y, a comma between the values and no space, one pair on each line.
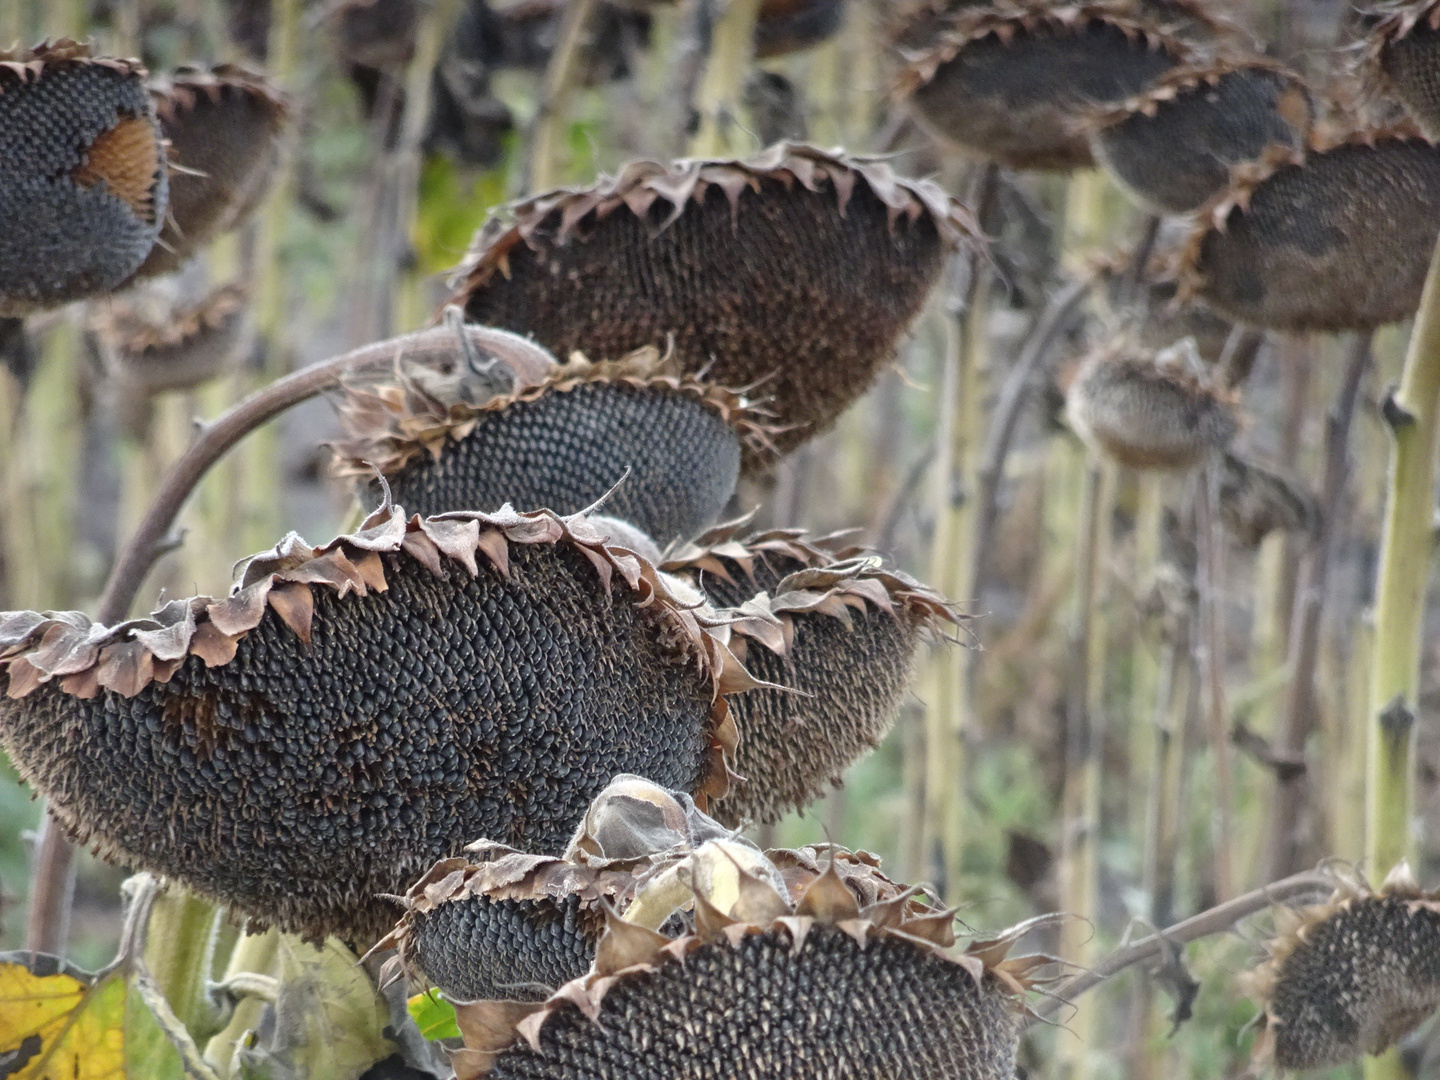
56,1023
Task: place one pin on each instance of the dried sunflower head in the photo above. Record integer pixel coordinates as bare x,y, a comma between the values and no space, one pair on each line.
560,442
786,26
1012,84
351,713
225,127
917,24
504,924
1337,240
83,186
159,344
822,618
1149,410
1171,147
1254,501
1403,54
766,984
790,275
1350,976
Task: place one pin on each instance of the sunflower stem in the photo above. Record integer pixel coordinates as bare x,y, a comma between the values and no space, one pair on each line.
254,954
1084,737
1301,701
1210,664
547,140
1215,920
427,347
1406,559
732,52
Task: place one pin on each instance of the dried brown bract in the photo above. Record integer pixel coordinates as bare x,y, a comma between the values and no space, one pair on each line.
1013,84
83,185
1172,146
766,985
790,276
505,924
1337,240
1206,23
354,712
815,616
225,127
1149,410
1403,54
559,443
1350,976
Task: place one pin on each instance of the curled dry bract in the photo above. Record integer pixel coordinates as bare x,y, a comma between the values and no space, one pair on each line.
560,443
790,275
505,924
836,631
352,713
766,985
83,184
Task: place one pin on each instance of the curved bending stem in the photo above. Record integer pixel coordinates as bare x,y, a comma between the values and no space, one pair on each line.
428,347
1213,921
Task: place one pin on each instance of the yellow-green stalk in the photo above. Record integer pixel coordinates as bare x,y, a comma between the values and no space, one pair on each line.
547,139
732,51
1406,556
254,954
1079,870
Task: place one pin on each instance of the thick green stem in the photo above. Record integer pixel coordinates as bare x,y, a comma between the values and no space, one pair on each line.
178,954
254,954
1406,557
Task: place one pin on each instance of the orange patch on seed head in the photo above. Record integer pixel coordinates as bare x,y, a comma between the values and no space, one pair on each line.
125,159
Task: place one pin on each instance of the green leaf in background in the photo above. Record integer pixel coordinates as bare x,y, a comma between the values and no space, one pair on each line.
434,1015
148,1052
453,203
56,1023
329,1020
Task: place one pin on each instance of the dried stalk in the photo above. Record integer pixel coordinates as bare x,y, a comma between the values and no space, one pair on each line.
1286,849
427,347
1019,382
1210,664
732,53
1215,920
952,555
1084,740
47,435
547,136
